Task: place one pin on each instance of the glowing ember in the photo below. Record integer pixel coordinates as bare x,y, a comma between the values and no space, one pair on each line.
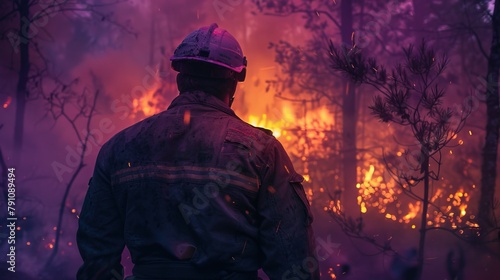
306,178
187,117
331,273
7,102
363,207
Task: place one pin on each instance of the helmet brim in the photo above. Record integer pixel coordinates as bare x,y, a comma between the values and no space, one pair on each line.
237,69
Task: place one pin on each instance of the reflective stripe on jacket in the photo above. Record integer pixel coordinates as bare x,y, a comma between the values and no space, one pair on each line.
196,185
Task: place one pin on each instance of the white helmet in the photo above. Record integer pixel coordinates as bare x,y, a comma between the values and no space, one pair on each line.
212,45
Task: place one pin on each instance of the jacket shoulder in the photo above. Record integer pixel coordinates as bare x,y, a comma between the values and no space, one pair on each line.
248,135
265,130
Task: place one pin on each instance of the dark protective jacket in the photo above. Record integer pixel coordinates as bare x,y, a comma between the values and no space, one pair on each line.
196,193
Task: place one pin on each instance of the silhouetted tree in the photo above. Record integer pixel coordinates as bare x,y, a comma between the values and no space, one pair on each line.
305,72
61,104
490,149
410,97
23,36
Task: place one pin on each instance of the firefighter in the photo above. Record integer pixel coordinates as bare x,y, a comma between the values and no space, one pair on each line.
194,192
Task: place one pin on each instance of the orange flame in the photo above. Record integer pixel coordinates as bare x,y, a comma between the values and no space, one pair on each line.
146,105
286,119
377,190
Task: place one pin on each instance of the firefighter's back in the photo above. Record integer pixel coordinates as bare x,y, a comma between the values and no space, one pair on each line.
186,182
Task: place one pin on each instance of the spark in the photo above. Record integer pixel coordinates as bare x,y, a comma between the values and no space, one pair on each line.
7,102
462,210
286,169
363,208
331,273
267,68
187,117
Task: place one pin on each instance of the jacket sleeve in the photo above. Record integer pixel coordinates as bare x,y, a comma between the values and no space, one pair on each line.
100,228
285,234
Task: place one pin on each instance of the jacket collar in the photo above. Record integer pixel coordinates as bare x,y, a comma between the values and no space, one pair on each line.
201,98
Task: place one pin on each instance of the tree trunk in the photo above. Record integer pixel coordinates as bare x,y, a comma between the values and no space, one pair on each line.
423,222
21,91
348,121
419,8
152,34
490,149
